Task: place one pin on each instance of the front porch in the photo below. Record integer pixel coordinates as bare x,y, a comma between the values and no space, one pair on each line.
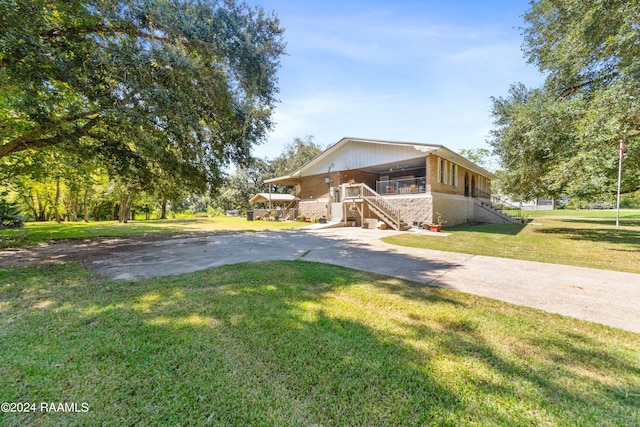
406,185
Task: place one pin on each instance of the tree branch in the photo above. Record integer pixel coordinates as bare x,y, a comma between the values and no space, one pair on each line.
626,191
56,33
32,140
573,89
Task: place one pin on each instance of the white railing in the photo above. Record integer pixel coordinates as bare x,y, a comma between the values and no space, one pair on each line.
402,186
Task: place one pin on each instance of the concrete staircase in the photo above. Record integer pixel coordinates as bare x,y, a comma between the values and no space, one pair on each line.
489,214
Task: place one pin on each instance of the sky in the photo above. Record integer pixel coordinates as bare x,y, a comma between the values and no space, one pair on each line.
401,70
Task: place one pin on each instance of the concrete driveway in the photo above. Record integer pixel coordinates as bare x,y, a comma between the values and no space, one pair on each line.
607,297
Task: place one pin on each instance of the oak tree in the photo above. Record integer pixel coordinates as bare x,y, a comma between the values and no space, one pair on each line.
187,85
563,137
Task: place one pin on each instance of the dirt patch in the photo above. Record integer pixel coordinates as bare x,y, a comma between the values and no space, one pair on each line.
82,250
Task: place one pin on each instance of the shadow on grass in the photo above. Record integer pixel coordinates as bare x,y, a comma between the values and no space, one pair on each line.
299,343
506,229
609,222
617,237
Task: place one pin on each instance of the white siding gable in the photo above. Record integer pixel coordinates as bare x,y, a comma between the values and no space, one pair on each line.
361,154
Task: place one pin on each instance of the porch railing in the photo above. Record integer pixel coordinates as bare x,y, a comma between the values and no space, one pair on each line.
402,186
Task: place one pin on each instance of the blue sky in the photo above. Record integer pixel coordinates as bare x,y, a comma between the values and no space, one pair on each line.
404,70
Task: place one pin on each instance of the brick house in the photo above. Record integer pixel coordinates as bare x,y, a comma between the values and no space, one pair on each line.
403,184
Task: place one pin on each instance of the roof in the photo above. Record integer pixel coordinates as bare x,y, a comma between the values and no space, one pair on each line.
357,153
274,197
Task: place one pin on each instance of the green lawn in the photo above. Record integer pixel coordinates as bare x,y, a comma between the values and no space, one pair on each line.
298,343
37,232
581,238
632,215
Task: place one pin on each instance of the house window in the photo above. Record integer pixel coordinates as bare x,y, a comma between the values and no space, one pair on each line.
442,171
453,174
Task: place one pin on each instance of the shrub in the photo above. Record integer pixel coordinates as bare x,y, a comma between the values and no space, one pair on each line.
215,211
10,215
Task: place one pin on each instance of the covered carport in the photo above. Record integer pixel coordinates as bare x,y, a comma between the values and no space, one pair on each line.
284,206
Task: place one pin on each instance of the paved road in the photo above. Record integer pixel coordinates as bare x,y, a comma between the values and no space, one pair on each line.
606,297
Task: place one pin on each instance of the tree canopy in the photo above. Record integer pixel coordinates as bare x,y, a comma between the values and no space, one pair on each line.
248,180
180,86
295,155
563,137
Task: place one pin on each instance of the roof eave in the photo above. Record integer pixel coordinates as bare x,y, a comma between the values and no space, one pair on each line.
283,180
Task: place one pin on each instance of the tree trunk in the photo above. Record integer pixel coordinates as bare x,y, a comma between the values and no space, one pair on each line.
125,208
72,207
42,211
56,202
163,204
86,208
121,211
75,206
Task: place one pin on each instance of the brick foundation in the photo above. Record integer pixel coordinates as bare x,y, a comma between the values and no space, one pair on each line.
313,209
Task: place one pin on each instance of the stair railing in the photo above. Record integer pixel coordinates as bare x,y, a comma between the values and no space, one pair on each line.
293,207
499,204
374,199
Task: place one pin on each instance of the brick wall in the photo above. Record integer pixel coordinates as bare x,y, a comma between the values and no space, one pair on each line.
358,176
424,208
314,186
414,209
454,209
312,208
437,187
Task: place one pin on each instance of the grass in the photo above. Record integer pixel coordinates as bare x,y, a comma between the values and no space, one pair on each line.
579,238
38,232
631,215
298,343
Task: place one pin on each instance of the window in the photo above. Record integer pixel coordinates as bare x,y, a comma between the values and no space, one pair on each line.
442,171
453,174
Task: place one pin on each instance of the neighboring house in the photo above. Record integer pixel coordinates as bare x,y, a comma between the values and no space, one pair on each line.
539,204
403,184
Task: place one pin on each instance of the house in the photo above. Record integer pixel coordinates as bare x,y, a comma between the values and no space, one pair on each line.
401,183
